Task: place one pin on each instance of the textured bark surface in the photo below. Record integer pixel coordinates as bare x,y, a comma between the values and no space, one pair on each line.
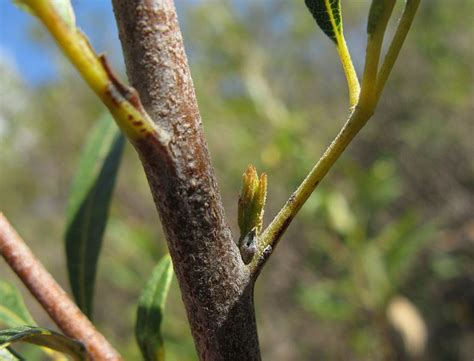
215,284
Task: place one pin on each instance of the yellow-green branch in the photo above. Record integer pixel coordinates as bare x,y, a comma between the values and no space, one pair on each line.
349,71
372,86
122,101
398,39
272,234
372,56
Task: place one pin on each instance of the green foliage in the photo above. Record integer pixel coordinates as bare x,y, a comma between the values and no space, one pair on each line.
88,208
6,355
150,311
43,337
258,72
372,258
13,311
327,14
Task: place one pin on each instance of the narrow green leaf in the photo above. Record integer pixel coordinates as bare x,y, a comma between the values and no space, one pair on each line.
13,311
43,337
150,311
376,11
88,208
327,14
8,355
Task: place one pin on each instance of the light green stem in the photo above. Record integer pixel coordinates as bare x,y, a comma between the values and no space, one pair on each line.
372,86
351,75
275,230
372,57
397,42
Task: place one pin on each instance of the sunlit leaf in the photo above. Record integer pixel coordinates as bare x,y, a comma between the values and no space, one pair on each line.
13,311
340,214
150,311
327,14
88,208
62,7
8,355
43,337
407,319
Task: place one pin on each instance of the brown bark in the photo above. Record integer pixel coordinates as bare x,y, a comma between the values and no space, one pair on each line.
216,286
63,311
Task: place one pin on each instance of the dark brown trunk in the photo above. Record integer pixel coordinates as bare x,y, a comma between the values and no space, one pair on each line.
216,286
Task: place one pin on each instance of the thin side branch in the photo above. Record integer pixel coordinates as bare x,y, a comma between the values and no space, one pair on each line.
372,56
122,101
398,39
372,86
63,311
272,234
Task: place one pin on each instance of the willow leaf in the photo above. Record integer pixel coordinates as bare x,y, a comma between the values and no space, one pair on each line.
88,207
9,355
13,311
150,311
327,14
43,337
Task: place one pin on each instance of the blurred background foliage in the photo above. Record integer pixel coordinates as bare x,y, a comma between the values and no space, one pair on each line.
379,263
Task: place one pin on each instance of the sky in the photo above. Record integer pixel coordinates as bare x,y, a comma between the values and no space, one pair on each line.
33,58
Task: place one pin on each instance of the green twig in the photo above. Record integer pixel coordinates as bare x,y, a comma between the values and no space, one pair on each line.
400,35
272,234
122,101
372,55
372,86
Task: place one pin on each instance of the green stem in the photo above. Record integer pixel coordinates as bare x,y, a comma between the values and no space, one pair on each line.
397,42
372,86
123,102
272,234
351,75
372,57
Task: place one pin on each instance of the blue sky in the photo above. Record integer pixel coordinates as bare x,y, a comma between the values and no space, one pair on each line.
33,59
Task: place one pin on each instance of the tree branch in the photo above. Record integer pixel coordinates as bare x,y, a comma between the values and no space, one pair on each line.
400,35
64,312
273,233
216,286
